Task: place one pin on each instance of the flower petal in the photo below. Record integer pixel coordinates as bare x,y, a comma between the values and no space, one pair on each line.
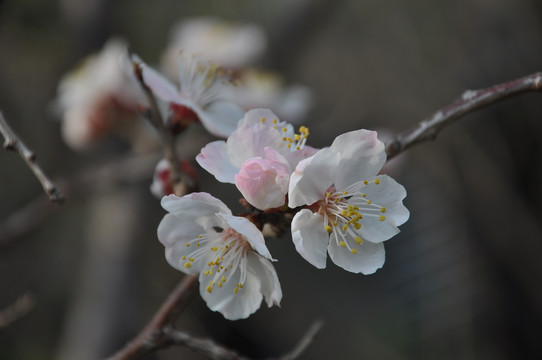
250,141
214,158
368,258
220,118
310,237
200,207
388,194
246,228
264,270
233,306
160,86
312,177
362,156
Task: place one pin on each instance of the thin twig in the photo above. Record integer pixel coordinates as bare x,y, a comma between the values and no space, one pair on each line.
17,310
122,170
179,183
468,102
14,143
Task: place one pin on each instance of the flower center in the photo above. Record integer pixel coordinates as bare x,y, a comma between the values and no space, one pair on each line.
293,141
344,212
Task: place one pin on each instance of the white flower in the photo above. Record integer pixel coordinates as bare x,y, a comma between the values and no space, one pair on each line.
258,157
199,95
351,210
202,237
231,45
265,89
98,96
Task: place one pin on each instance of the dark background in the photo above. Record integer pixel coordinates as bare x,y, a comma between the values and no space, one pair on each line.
463,278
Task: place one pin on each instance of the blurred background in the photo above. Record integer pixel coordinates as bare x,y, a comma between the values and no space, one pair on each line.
462,279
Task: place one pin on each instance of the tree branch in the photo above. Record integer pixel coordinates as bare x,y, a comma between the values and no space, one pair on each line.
12,142
20,308
470,101
179,183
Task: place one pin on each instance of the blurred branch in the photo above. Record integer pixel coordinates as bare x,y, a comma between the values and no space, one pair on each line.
123,170
470,101
159,333
20,308
153,337
179,184
12,142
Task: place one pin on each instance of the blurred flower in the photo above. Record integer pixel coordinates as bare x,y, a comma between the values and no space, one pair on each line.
228,252
231,45
161,184
98,96
266,89
351,210
258,157
199,97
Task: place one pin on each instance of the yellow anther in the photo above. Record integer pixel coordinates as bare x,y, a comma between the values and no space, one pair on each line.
191,259
357,226
377,181
223,279
328,195
297,137
240,285
236,290
206,272
262,120
187,244
214,248
329,229
198,244
345,192
219,284
358,240
200,236
274,121
364,195
383,210
297,148
284,138
187,265
365,182
284,129
345,227
382,218
369,202
342,243
209,289
183,257
354,251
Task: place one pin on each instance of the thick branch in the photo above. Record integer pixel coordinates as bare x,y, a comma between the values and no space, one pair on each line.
471,100
12,142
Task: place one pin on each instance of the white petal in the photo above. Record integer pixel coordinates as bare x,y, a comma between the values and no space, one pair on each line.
255,116
388,194
194,205
233,306
220,118
369,257
214,158
310,237
174,233
160,86
362,156
312,177
250,141
246,228
270,286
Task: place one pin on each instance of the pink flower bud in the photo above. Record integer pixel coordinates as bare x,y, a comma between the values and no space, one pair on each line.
263,182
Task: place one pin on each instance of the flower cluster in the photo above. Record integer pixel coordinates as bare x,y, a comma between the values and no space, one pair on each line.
334,198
